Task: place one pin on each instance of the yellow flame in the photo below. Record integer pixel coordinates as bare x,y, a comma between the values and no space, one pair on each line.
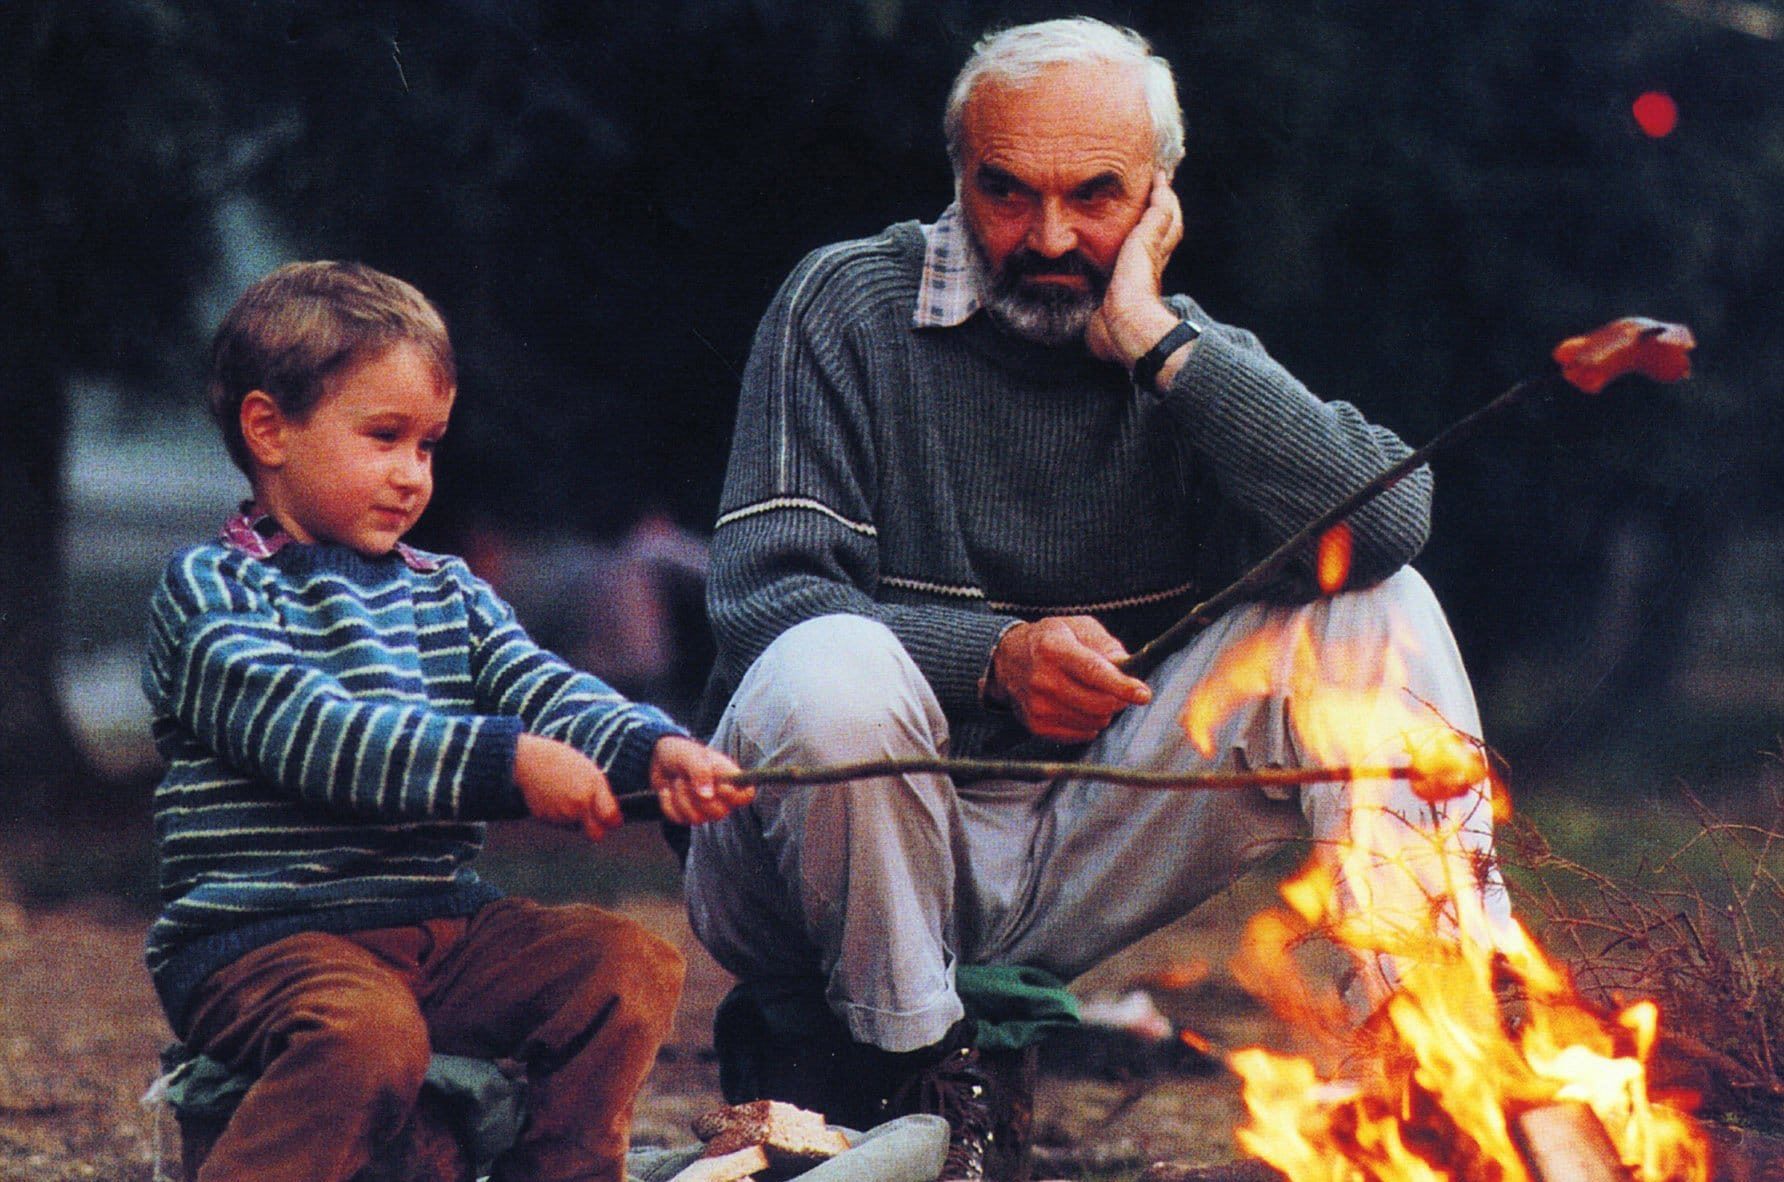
1448,1070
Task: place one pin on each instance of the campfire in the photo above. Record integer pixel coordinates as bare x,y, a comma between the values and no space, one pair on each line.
1477,1059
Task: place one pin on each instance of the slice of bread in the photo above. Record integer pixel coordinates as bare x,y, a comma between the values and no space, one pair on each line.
729,1167
791,1136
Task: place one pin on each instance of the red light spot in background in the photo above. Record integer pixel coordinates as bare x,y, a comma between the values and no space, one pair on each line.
1655,113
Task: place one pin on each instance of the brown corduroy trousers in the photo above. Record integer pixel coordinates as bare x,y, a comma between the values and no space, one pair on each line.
339,1029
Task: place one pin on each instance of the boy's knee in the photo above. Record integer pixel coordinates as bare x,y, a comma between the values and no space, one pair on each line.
654,969
841,683
376,1045
620,960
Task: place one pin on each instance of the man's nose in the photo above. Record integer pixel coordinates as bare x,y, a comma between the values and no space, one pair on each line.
1052,234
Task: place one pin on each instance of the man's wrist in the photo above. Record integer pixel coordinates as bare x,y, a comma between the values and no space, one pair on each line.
1136,333
992,694
1154,362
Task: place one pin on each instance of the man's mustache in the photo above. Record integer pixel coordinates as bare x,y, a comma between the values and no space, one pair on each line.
1027,264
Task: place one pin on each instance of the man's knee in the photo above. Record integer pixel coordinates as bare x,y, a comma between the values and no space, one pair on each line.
840,684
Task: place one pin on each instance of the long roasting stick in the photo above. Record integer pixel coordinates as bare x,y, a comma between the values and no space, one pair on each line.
1630,345
1146,658
643,805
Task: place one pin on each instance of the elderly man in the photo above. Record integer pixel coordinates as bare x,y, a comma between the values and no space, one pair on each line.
974,462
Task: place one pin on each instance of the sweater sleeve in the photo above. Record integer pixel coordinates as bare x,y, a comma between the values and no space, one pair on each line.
222,667
512,675
796,535
1281,456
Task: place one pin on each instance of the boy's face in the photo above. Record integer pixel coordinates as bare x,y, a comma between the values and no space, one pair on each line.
359,468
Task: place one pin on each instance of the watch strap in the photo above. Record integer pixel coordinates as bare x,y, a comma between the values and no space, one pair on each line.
1147,368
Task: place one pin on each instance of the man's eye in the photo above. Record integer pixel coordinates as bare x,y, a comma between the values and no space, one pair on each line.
385,435
429,446
996,186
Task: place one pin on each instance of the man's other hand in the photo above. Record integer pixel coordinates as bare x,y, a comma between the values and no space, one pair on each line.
1133,316
1059,676
562,786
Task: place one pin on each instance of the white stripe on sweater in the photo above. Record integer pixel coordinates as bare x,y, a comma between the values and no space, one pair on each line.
962,591
776,503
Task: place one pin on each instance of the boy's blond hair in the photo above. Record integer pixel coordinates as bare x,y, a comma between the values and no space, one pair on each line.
301,325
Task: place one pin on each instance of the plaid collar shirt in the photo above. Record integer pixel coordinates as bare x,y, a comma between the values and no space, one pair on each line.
258,535
949,290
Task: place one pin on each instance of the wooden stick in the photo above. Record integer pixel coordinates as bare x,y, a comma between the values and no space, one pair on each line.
643,805
1147,658
1563,1141
1036,770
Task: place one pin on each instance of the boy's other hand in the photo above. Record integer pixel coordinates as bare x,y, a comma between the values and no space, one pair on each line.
562,786
688,779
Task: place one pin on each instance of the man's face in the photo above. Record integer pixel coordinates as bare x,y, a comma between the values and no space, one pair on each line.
1055,173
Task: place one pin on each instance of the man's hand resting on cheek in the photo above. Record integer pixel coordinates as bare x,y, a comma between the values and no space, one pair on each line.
1133,316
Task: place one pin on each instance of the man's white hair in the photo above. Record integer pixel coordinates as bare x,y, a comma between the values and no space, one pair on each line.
1018,54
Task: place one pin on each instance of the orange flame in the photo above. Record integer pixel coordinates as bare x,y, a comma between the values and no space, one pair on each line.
1434,1081
1332,562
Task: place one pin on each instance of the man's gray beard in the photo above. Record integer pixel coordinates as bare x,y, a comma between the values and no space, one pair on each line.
1051,316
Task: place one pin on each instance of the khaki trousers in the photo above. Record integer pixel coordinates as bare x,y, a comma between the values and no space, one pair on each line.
879,887
339,1029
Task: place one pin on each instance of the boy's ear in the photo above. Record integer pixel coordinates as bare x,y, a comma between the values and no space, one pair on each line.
263,429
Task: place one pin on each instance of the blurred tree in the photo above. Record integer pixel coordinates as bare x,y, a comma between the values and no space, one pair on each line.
106,173
1410,204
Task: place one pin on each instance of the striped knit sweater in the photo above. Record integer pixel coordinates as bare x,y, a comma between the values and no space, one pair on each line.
953,481
336,730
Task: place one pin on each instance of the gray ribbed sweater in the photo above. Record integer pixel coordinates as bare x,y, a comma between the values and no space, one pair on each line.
953,481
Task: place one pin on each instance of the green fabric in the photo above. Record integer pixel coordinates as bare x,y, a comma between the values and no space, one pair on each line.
198,1087
1014,1006
485,1107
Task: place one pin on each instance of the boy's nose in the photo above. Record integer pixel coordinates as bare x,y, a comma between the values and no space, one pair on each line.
414,472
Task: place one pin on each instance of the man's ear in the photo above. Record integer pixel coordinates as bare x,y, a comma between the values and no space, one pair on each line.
263,429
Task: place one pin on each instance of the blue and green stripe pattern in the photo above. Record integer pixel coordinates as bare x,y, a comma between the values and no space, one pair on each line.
337,728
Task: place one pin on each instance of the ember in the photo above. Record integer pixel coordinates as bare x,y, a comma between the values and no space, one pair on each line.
1332,564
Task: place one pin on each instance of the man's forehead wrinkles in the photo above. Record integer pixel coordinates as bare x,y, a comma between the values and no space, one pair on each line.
1069,162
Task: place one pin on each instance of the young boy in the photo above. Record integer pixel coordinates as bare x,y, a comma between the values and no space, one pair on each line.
340,714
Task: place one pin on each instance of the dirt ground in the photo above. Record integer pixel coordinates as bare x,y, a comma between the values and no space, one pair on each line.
80,1030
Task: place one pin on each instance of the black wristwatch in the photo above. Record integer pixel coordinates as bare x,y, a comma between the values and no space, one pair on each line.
1147,367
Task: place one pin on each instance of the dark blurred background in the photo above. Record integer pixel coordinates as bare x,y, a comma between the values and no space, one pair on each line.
1411,204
